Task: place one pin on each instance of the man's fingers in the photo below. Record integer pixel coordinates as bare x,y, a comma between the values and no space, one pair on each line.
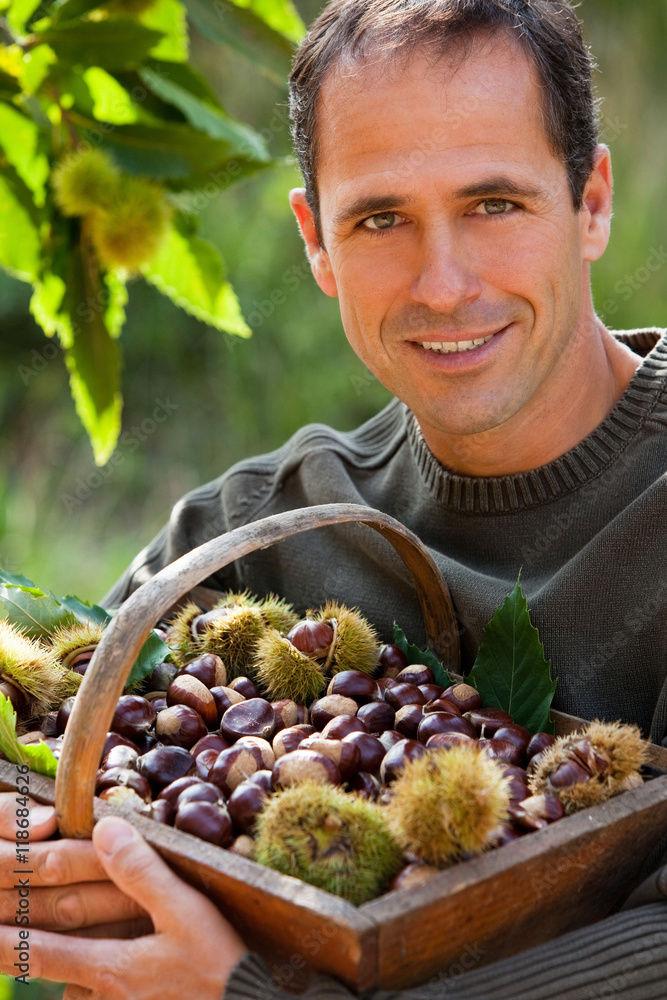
123,929
77,993
61,958
56,862
140,873
70,907
42,819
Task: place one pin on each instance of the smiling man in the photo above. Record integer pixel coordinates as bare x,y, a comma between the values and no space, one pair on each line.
455,198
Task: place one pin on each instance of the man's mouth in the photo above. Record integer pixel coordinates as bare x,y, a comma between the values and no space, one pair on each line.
454,346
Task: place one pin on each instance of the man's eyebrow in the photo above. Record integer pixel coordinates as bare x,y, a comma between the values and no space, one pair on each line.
495,186
370,205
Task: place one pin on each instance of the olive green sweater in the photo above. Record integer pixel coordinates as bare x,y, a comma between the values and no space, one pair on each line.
588,532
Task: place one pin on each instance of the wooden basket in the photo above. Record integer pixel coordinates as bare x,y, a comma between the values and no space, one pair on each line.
493,906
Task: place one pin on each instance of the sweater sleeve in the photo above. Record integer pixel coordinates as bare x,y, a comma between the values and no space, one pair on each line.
624,957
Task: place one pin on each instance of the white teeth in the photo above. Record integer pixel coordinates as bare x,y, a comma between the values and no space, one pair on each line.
454,346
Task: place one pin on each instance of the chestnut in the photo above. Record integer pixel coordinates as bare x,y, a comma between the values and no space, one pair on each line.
253,717
162,811
447,740
286,712
188,690
211,741
500,750
162,765
245,687
408,719
539,743
120,756
386,682
145,742
392,659
343,725
413,875
162,676
389,738
123,776
201,622
201,791
62,718
365,784
16,695
536,812
204,761
430,691
262,778
396,759
377,716
263,747
289,739
175,788
224,698
371,751
179,726
487,720
245,803
441,705
357,685
517,735
312,638
116,740
304,765
47,724
415,673
464,696
207,668
233,766
243,845
403,694
568,773
133,716
327,708
443,722
207,821
344,755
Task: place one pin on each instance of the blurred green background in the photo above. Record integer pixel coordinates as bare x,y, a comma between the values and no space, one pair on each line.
73,527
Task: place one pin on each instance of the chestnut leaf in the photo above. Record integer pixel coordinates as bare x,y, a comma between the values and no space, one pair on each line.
510,670
416,655
38,756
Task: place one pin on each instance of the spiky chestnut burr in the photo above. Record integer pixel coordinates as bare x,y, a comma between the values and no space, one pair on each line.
33,668
332,839
74,646
283,672
277,613
130,229
356,644
588,767
234,639
84,182
448,804
180,635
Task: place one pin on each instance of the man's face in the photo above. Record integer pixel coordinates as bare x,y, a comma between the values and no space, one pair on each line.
447,220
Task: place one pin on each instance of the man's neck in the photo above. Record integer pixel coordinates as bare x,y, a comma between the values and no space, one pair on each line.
553,424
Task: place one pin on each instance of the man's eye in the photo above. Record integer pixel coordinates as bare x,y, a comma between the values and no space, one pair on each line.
385,220
493,206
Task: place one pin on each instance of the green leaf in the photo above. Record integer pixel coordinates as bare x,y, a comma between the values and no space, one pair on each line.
16,579
190,272
510,671
35,67
204,117
227,24
93,359
118,43
110,100
19,14
416,655
153,651
37,613
281,15
20,249
114,314
168,17
20,140
71,9
38,756
9,86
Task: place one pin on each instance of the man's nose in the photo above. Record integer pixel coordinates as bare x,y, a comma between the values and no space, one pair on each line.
446,277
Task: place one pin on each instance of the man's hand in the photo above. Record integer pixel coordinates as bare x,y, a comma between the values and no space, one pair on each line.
191,952
70,890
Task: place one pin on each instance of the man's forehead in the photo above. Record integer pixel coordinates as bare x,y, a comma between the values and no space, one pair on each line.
402,113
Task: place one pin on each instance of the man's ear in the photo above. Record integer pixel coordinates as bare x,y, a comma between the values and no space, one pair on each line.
317,255
596,211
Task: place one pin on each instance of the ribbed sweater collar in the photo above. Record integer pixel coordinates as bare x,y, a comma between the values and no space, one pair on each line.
586,461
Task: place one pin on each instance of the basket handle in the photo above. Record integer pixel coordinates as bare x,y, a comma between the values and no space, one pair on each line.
112,661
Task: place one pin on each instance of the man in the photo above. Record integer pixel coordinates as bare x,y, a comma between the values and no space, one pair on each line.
455,198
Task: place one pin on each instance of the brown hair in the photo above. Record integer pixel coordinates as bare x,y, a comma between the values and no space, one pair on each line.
549,31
